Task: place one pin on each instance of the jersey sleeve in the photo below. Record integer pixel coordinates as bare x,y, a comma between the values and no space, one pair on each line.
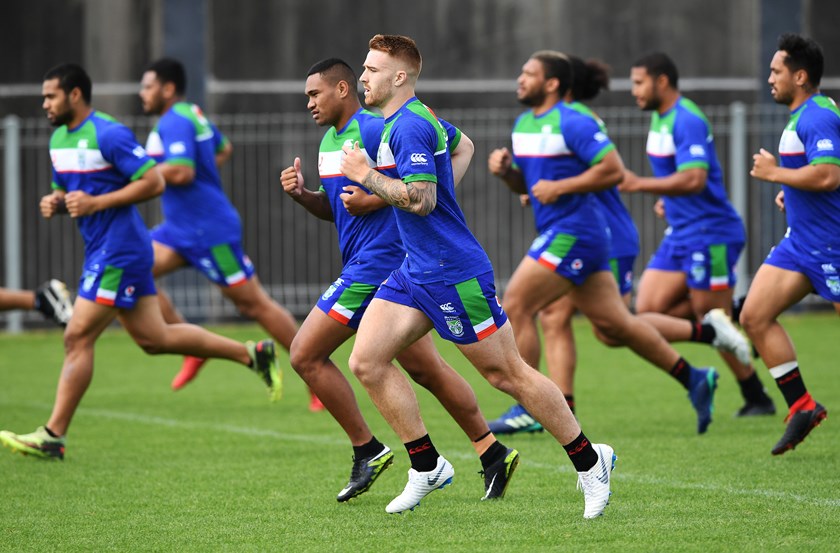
820,133
691,140
120,149
453,134
370,129
220,141
178,137
57,183
586,139
413,145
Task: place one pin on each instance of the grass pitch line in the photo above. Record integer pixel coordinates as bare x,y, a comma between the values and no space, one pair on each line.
342,442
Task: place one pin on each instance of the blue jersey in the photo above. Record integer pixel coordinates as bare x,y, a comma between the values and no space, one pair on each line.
812,136
681,139
624,238
197,214
97,157
439,246
554,145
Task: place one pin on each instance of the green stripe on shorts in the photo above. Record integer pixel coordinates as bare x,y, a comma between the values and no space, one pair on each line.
561,245
225,259
614,269
720,263
111,279
355,295
474,301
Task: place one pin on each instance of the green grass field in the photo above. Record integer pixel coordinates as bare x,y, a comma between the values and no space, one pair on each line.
216,467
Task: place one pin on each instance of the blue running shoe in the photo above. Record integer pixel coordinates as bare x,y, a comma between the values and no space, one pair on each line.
516,419
703,383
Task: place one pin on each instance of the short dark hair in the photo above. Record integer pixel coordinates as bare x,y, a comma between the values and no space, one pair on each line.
70,76
658,63
170,70
803,53
334,70
556,65
588,78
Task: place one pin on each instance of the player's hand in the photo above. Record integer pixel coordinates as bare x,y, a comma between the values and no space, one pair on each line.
547,191
499,161
780,200
524,200
80,204
630,182
659,208
358,202
291,179
354,164
52,204
764,165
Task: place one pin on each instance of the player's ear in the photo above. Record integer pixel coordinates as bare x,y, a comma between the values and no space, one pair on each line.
343,89
400,78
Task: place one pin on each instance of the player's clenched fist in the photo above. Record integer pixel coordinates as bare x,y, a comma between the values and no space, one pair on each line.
292,179
499,161
52,204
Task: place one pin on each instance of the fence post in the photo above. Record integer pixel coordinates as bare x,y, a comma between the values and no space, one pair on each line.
738,180
11,215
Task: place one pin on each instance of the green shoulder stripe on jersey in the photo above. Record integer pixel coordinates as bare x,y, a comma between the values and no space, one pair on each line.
825,160
583,109
193,113
83,137
425,177
142,170
189,162
418,108
692,107
531,124
600,155
827,103
692,165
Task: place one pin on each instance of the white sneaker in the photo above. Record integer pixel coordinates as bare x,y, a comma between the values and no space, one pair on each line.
53,300
421,484
727,337
595,483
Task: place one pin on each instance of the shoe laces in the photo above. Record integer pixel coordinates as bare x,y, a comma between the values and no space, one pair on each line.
358,466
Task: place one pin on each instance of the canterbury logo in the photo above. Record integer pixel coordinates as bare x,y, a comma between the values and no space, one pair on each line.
419,448
418,158
580,448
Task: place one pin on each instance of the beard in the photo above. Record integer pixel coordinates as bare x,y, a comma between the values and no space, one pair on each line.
783,98
62,118
534,99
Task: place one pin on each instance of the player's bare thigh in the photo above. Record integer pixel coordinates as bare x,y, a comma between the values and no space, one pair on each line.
387,328
660,290
532,287
773,290
166,260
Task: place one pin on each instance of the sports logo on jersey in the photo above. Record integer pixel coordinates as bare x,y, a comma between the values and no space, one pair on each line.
177,148
139,152
577,265
331,290
83,143
455,326
698,272
697,150
447,308
209,268
833,283
828,268
698,257
88,280
825,145
129,291
418,159
600,137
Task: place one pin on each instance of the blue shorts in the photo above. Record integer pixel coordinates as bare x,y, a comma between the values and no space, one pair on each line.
622,270
116,286
346,300
463,313
706,266
823,270
569,256
225,264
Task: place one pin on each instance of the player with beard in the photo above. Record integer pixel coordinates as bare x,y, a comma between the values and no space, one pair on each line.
559,158
806,259
696,259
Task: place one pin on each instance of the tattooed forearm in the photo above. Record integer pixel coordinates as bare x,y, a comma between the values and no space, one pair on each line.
415,197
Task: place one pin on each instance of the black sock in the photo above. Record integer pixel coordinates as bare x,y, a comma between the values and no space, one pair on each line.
703,333
369,449
792,386
752,389
570,399
494,453
50,432
422,454
581,453
682,372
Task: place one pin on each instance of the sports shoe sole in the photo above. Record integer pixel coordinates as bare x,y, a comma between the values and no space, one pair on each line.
815,423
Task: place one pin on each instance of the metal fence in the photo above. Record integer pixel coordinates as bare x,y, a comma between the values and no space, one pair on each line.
296,255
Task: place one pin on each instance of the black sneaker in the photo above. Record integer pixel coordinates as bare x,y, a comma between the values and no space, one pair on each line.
799,425
52,299
365,471
751,409
264,363
498,475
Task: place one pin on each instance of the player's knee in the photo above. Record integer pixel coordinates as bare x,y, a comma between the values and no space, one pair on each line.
500,379
74,339
750,321
248,308
606,340
363,368
150,344
301,359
